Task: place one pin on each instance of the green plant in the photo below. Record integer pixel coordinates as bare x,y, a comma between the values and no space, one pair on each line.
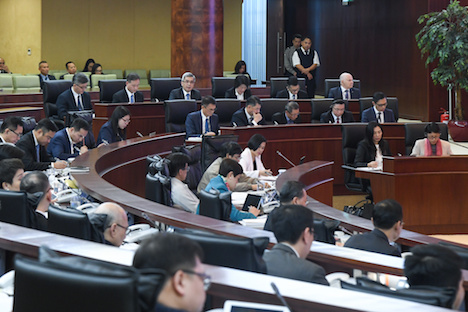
444,39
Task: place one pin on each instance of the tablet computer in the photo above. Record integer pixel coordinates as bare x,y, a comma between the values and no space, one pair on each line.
251,200
242,306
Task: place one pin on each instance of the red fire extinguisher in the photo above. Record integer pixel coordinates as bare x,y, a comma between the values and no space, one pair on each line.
444,117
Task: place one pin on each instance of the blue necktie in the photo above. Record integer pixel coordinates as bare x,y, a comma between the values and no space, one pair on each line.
38,156
207,125
131,99
80,107
346,94
187,96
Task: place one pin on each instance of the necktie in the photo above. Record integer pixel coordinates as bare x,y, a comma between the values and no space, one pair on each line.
346,94
46,78
80,106
132,100
38,156
250,120
207,125
379,118
187,96
294,96
338,120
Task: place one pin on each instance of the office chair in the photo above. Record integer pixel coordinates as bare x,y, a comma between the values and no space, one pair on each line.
272,106
415,131
279,83
332,83
16,209
351,135
51,90
162,87
29,123
176,112
225,108
219,85
195,174
211,146
107,88
215,205
319,106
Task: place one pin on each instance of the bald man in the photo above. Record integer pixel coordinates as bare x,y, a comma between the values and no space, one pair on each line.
346,90
116,223
3,67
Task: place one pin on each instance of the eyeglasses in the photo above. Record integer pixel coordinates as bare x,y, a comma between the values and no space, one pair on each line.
19,135
126,120
381,105
204,277
123,227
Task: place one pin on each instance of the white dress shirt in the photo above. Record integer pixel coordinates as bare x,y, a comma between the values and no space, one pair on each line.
296,60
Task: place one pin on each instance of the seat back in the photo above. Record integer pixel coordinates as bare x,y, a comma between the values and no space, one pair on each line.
176,112
210,147
29,123
225,108
195,174
15,209
332,83
69,76
25,83
272,106
279,83
351,135
392,103
143,76
96,78
158,188
319,106
71,222
6,82
219,85
107,88
215,205
415,131
162,87
232,252
53,88
117,72
160,73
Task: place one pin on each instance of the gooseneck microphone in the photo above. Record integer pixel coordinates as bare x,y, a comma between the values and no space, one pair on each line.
285,158
139,134
280,297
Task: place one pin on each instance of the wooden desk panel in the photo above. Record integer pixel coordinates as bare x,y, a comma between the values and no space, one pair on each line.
23,111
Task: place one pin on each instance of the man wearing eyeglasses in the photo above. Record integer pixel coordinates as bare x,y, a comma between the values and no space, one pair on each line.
181,258
69,142
203,122
289,116
186,91
11,130
114,225
181,195
75,98
379,111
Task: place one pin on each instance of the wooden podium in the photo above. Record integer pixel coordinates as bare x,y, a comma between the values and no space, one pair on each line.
431,191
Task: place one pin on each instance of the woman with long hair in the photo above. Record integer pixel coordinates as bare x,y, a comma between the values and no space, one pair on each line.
115,129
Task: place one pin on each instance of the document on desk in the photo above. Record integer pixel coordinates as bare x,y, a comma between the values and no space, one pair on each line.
369,169
258,223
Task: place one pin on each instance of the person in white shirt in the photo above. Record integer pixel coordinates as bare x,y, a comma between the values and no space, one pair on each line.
251,157
305,61
240,90
182,196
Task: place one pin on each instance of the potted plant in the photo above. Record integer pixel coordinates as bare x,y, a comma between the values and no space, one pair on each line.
444,41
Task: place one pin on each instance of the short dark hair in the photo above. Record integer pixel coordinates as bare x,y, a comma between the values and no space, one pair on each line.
80,78
252,101
432,128
34,182
80,123
255,141
386,213
378,96
291,189
297,36
241,80
292,81
42,62
339,102
433,265
119,112
230,148
228,165
69,62
170,252
207,100
11,123
289,221
8,150
132,77
8,169
291,106
46,125
177,161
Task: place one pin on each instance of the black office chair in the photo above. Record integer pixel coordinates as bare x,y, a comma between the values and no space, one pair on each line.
232,252
162,87
461,251
195,174
51,90
107,88
351,135
215,205
176,112
279,83
73,223
16,209
225,108
219,85
158,181
392,103
76,284
415,131
29,123
272,106
332,83
211,146
319,106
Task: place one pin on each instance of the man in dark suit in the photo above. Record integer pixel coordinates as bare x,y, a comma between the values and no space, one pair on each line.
203,122
130,93
250,115
293,226
387,217
44,73
37,185
34,145
74,99
11,130
379,111
68,142
187,91
240,90
289,116
292,91
346,90
337,113
71,69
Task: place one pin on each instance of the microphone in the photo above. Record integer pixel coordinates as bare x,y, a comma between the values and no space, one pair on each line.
276,123
284,157
301,161
235,125
280,297
139,134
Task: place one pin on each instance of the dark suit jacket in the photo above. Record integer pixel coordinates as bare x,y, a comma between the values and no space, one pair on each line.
41,221
282,261
280,117
284,94
369,115
26,143
336,93
178,94
231,93
327,117
365,153
66,102
60,147
375,241
122,97
42,81
240,118
193,124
